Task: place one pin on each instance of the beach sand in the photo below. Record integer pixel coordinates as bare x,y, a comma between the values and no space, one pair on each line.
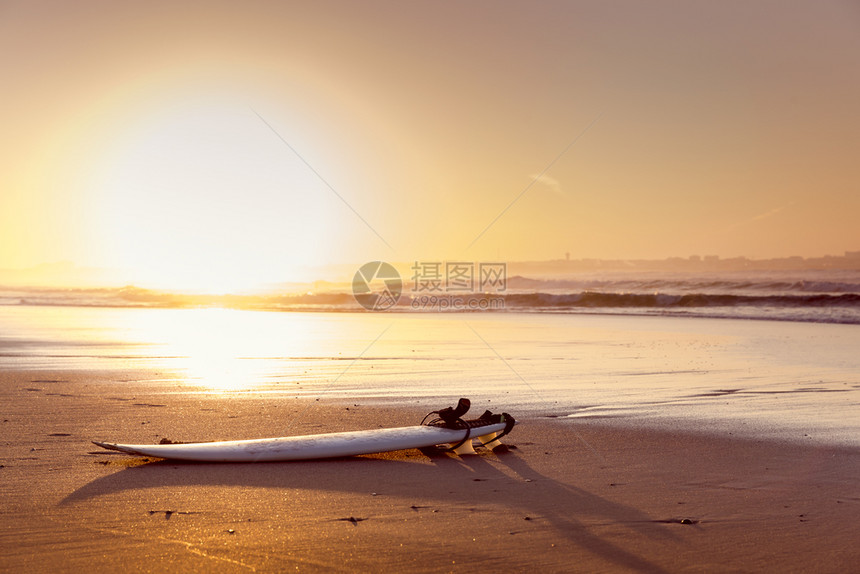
572,496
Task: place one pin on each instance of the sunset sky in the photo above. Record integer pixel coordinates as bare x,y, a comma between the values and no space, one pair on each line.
224,144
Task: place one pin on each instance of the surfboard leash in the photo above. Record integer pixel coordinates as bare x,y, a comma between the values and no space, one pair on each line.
452,418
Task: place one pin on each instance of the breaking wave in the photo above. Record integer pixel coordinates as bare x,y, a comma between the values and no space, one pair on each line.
771,286
593,299
828,298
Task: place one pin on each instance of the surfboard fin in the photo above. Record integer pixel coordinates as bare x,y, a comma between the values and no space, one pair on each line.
464,447
491,441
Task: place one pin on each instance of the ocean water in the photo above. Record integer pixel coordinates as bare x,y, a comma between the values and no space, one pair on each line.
817,296
790,380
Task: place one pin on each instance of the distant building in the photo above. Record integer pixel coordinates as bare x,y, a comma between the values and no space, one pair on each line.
712,258
695,258
852,254
567,256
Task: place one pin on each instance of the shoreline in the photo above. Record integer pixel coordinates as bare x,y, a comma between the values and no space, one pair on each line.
572,496
789,314
751,377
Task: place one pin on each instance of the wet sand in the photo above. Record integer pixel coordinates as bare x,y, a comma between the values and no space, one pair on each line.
572,496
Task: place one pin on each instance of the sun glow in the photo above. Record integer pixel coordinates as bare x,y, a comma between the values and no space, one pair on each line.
223,349
203,197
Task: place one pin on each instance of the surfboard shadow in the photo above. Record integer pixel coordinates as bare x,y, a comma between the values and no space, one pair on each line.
568,503
447,480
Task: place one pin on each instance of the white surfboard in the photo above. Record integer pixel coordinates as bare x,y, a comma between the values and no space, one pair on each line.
331,445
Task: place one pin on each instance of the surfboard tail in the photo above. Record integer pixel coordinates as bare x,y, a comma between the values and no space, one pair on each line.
490,440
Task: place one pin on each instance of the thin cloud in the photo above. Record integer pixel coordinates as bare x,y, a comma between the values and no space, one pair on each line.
529,186
760,216
553,184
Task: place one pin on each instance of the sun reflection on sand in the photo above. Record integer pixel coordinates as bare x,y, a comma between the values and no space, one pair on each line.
223,349
229,350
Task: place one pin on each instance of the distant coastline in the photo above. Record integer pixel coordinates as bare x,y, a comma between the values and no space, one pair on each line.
694,263
67,275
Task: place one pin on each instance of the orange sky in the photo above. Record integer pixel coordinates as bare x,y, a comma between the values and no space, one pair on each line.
130,137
